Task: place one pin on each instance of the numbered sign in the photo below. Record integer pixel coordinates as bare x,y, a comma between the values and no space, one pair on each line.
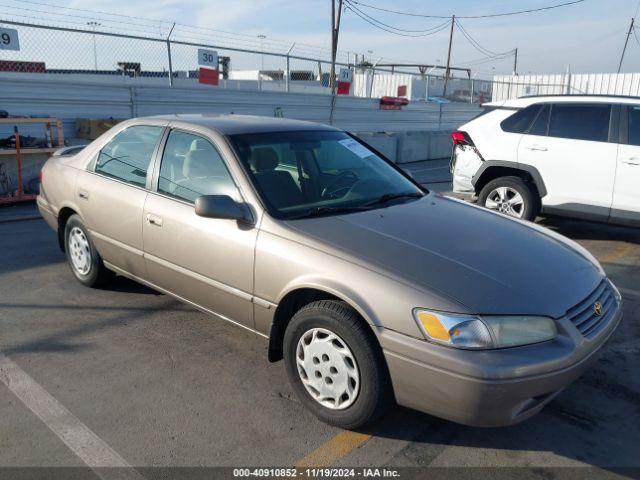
345,78
9,39
208,58
346,75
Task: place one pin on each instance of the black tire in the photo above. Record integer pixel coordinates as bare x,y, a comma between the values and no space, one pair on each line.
375,390
97,274
531,201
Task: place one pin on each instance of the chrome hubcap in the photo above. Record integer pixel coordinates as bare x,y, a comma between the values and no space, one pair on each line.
327,368
79,251
506,200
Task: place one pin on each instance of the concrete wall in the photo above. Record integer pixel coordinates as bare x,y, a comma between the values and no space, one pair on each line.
412,133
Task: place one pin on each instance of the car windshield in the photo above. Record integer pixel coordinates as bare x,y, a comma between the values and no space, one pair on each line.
311,173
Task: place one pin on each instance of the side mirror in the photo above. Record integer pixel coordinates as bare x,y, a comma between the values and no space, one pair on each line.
220,206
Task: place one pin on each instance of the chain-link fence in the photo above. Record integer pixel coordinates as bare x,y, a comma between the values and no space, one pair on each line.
174,60
171,55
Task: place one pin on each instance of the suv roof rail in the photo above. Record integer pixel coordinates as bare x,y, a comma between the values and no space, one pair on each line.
600,95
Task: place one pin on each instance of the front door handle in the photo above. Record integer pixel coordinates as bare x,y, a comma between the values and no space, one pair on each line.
536,148
154,220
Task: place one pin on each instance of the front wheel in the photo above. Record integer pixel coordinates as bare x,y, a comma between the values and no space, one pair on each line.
510,196
335,365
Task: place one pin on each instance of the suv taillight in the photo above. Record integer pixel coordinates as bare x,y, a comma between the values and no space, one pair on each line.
461,138
457,137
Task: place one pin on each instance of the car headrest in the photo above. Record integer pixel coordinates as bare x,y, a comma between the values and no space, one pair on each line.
264,159
197,163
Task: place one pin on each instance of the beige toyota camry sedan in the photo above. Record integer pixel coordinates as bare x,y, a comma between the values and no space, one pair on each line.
371,288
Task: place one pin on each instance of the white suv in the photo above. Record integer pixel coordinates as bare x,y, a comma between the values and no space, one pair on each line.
571,155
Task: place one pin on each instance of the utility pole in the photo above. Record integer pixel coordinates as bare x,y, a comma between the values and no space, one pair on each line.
262,36
446,72
335,30
515,62
626,41
169,54
93,25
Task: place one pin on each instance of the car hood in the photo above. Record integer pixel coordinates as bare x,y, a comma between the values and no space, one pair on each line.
488,263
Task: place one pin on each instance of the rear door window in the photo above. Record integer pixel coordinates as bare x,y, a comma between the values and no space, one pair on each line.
541,123
580,121
127,156
634,125
520,121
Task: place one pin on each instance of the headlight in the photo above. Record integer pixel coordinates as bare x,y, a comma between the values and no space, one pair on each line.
474,332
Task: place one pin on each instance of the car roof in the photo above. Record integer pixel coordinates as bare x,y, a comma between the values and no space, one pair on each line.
232,124
530,100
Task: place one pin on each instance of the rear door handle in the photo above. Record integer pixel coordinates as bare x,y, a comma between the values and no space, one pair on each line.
83,194
631,161
536,148
154,220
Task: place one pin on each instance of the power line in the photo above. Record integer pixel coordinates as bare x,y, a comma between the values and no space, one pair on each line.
479,61
626,42
427,30
84,17
475,44
501,14
382,26
635,36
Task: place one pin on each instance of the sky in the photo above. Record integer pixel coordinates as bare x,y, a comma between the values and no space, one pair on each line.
587,37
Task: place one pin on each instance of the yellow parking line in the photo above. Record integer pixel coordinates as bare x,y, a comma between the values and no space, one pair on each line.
617,253
335,449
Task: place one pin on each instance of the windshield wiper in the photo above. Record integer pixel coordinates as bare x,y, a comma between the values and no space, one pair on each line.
319,211
392,196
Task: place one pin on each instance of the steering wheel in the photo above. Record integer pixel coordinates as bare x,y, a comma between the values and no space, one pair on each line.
334,187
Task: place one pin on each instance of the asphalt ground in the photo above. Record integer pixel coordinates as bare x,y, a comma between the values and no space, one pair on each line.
124,376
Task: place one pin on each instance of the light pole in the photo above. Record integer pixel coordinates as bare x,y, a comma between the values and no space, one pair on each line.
93,25
262,37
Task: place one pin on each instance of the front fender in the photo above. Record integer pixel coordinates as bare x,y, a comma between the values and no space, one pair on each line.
336,289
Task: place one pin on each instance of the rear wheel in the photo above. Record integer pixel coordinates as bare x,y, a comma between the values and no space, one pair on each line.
511,196
83,258
334,364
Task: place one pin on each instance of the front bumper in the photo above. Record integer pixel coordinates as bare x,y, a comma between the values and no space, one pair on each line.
493,387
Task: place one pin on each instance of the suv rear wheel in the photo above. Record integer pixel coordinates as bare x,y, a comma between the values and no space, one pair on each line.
511,196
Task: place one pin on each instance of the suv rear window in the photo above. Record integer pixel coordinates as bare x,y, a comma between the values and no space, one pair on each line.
520,121
580,122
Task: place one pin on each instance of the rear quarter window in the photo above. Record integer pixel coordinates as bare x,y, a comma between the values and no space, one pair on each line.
520,121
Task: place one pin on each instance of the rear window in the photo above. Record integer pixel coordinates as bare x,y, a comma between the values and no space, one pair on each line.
580,122
520,121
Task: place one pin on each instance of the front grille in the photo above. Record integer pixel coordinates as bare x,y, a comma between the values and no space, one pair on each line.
584,316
